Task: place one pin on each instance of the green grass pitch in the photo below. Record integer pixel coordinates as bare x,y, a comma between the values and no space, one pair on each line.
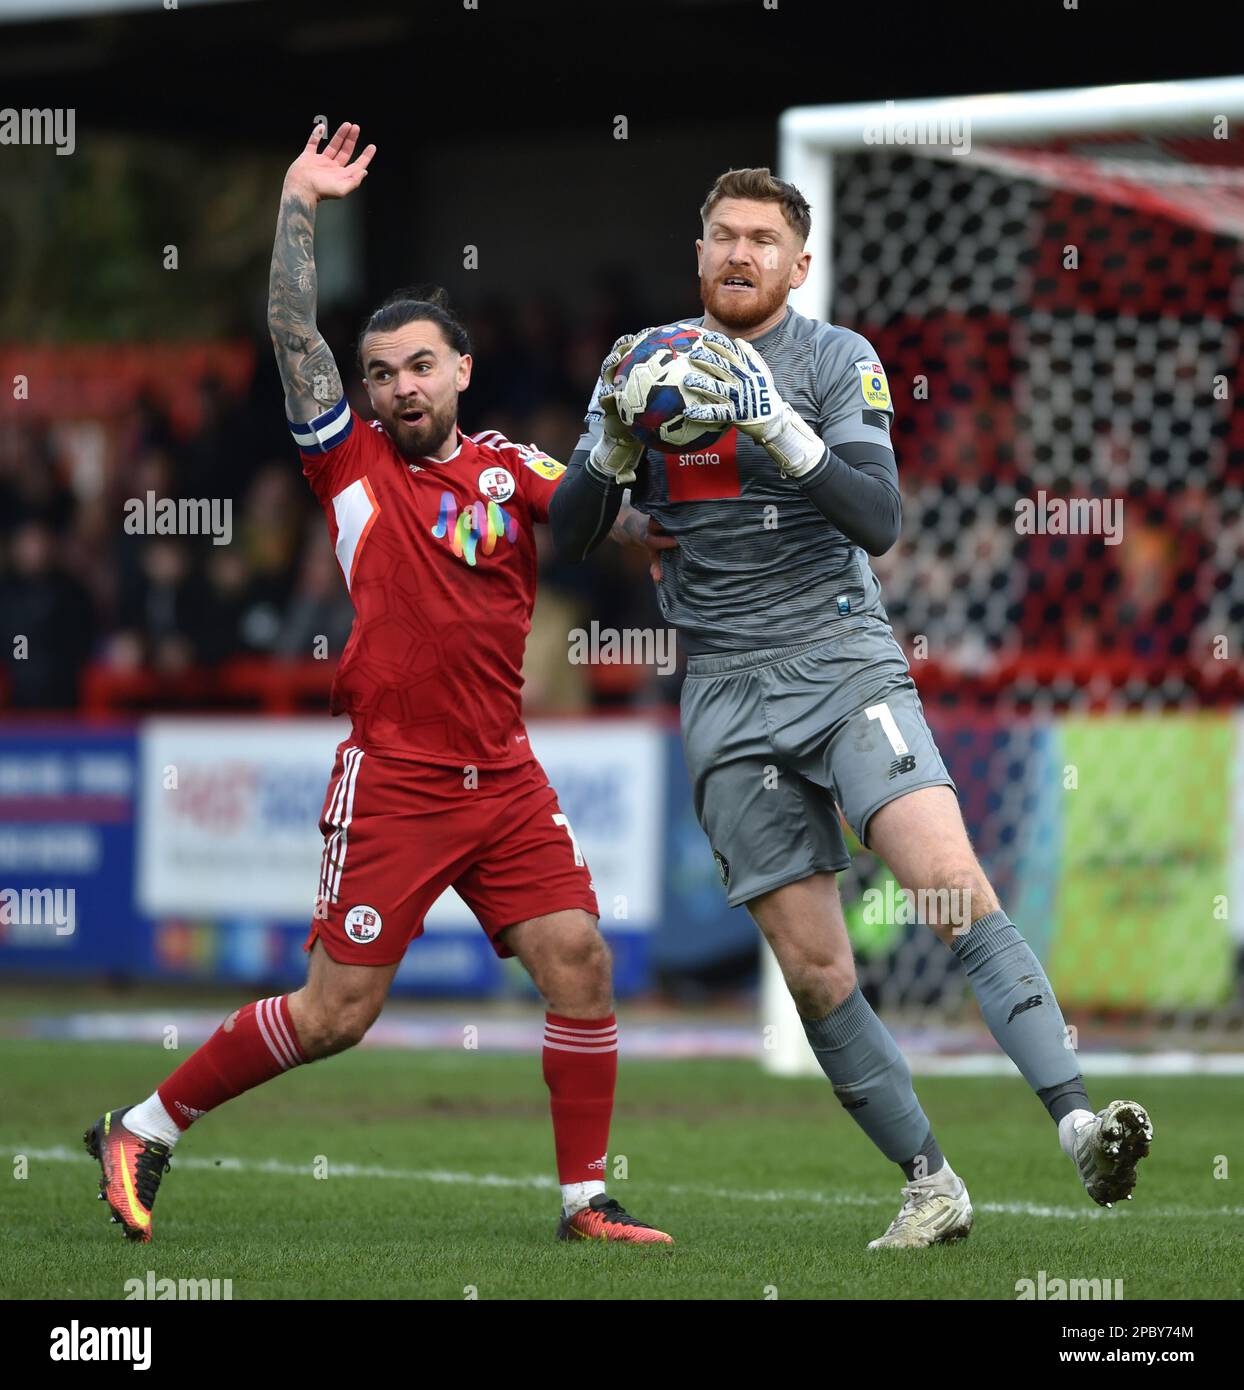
439,1181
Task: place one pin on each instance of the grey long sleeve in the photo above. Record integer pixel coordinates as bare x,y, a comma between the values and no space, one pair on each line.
855,486
583,509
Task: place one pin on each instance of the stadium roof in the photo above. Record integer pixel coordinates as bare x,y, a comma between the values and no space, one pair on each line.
22,11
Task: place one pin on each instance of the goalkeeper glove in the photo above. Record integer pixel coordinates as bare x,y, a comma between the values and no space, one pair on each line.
740,386
616,452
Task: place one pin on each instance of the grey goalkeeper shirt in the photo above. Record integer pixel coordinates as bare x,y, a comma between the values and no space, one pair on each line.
757,563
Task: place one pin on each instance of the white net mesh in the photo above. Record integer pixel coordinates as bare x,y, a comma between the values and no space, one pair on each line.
1061,325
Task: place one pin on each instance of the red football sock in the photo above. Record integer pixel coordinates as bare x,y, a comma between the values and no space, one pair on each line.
252,1045
580,1070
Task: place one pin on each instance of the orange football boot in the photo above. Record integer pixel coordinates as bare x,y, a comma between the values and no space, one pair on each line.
132,1169
604,1219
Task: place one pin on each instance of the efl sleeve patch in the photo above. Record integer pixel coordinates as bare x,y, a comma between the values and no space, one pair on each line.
873,384
546,467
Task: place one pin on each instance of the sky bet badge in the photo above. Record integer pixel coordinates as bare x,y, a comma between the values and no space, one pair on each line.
545,466
873,384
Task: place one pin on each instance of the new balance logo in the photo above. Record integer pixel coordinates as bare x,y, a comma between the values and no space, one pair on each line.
1033,1001
849,1100
907,763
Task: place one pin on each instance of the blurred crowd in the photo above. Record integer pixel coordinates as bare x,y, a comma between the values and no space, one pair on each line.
80,593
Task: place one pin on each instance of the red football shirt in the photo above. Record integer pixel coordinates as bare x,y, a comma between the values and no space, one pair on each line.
439,557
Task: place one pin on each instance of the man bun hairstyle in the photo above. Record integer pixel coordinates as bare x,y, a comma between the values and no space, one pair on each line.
761,186
410,306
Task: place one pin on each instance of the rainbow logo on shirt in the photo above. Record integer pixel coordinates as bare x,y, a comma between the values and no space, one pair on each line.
477,527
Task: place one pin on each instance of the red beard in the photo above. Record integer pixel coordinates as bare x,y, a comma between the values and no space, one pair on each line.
744,312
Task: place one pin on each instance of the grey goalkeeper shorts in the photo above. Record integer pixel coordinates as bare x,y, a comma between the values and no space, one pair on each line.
778,740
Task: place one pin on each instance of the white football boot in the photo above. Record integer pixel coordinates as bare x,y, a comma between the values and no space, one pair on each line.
935,1210
1107,1148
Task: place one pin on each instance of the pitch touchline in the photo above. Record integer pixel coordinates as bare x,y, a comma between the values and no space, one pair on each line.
277,1166
433,1175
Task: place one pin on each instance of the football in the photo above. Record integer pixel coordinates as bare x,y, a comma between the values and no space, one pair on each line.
651,397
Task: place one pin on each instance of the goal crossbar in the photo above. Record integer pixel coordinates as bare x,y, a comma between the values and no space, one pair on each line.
809,136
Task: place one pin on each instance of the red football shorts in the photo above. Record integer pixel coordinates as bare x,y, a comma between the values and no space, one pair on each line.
398,833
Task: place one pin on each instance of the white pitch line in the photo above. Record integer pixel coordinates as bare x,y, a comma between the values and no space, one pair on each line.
280,1168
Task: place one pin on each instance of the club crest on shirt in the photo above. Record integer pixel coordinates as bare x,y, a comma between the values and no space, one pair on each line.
873,383
363,924
497,484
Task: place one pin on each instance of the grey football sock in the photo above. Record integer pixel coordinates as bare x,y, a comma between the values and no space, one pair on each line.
872,1080
1018,1004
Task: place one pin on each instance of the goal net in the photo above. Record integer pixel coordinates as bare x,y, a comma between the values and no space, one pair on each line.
1055,285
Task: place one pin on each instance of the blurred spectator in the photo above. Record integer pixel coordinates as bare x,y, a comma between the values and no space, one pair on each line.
151,471
32,483
555,429
161,607
47,623
270,531
145,426
218,459
220,609
319,606
1157,562
952,580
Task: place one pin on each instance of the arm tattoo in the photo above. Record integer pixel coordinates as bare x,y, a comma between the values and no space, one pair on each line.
631,528
312,381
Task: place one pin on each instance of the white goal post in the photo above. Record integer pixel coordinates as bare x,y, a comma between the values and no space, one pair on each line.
810,136
810,139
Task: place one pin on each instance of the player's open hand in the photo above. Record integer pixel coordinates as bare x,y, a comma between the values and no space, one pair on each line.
635,528
329,173
624,345
606,400
736,385
657,539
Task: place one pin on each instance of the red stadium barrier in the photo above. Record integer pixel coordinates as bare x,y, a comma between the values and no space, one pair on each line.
100,381
253,684
1035,680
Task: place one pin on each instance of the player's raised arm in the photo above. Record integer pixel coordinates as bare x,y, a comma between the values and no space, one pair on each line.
312,381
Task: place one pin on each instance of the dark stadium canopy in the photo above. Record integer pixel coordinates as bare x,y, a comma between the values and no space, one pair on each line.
554,64
14,11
